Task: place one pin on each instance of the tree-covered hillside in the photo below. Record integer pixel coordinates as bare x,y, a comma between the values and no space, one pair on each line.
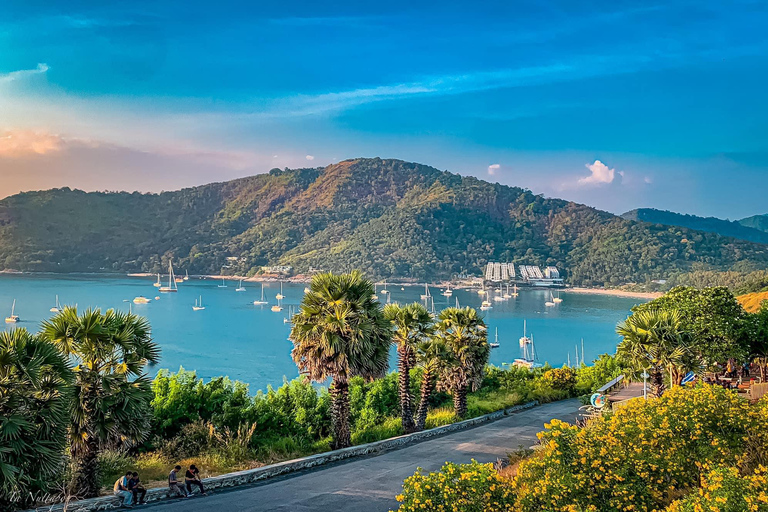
735,229
389,218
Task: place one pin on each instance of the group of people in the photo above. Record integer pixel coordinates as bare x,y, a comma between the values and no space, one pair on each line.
129,489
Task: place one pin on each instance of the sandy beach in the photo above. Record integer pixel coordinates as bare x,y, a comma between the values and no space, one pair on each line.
615,293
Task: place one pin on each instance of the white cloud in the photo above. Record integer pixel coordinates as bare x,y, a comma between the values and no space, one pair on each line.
648,180
493,169
601,173
15,75
310,157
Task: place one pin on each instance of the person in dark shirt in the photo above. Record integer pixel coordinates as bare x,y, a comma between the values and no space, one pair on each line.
138,490
192,477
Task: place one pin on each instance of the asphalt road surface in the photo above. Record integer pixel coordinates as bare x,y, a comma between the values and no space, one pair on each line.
370,484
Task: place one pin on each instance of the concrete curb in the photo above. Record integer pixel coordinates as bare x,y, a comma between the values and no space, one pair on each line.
250,476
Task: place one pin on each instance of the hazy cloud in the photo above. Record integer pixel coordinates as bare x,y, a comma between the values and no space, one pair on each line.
601,174
310,157
493,169
22,73
20,143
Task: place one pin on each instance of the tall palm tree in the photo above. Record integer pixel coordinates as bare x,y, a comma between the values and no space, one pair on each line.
656,341
340,332
466,337
412,324
431,355
34,395
112,394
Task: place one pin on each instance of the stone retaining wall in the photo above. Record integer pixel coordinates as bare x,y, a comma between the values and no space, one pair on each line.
250,476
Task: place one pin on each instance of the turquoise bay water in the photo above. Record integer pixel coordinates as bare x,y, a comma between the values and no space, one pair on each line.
250,343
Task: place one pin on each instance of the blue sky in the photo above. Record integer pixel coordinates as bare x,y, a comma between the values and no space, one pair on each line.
615,104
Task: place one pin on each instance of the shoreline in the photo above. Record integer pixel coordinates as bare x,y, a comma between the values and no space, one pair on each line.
615,293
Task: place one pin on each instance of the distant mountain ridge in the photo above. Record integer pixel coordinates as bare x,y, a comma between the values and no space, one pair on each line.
389,218
737,229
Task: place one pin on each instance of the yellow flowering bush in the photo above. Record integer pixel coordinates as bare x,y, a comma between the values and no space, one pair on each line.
471,487
724,490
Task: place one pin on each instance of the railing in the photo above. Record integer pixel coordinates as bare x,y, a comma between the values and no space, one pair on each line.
614,383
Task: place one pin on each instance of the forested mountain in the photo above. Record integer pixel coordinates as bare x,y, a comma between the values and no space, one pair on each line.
389,218
756,222
735,229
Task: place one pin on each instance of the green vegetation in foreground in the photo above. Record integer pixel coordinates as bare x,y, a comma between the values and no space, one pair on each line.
701,449
388,218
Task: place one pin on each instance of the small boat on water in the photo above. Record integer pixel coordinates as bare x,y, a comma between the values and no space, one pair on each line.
186,275
157,284
306,289
529,357
514,292
556,300
426,295
550,302
384,290
280,295
57,307
262,301
495,343
171,288
525,340
291,312
240,287
485,305
279,306
223,283
14,317
198,304
141,300
498,296
448,292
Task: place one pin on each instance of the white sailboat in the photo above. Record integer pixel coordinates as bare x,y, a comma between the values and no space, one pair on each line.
240,287
280,295
57,307
157,284
481,291
448,292
525,340
529,357
262,300
507,295
223,283
384,290
556,300
279,306
186,275
495,343
485,305
498,296
550,302
171,281
457,303
141,300
14,317
198,304
514,292
426,293
287,319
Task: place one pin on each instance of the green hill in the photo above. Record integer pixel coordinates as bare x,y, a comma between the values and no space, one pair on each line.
709,224
390,218
759,222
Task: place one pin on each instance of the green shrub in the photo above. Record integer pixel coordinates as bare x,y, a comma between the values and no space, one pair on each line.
113,464
724,490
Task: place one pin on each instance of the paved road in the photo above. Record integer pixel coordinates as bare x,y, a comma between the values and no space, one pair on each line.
370,484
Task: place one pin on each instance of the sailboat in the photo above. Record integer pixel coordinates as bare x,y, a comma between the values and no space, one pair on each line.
223,283
507,294
262,300
426,294
448,292
240,287
198,304
287,319
495,343
158,284
280,295
525,340
457,303
481,291
485,305
514,292
179,279
384,290
57,307
171,281
551,302
556,300
14,317
529,357
186,275
498,297
141,300
279,306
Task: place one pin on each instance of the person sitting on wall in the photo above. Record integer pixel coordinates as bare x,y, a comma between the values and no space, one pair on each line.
174,485
138,490
192,477
120,489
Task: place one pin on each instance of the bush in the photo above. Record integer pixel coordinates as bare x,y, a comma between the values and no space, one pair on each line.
112,464
724,490
603,370
471,487
561,378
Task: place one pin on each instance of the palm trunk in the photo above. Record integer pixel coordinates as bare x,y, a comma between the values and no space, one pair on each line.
657,382
342,437
427,387
86,474
460,401
403,367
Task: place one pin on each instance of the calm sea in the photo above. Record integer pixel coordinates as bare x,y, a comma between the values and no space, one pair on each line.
249,343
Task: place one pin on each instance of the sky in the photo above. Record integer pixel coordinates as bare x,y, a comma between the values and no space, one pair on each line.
618,105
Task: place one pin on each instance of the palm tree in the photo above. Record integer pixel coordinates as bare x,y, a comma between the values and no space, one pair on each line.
34,389
466,338
656,341
112,394
412,324
432,356
340,332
